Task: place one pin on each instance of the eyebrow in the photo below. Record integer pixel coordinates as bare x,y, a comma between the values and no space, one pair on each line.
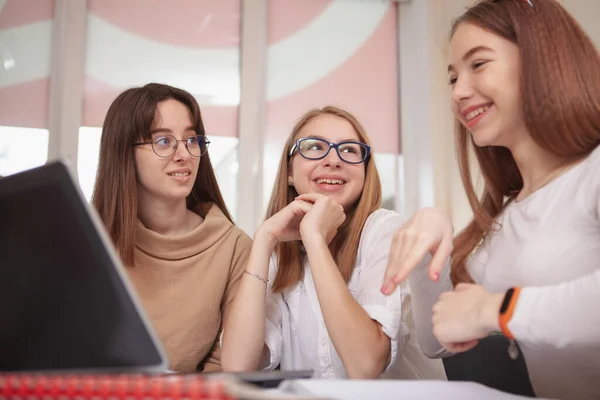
341,141
470,53
167,130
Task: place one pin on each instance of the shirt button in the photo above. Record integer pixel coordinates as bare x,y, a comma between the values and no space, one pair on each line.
323,341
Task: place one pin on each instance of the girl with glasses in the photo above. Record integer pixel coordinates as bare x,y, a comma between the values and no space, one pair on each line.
157,194
310,299
525,82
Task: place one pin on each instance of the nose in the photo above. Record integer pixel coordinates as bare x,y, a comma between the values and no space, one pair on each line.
181,153
332,159
462,89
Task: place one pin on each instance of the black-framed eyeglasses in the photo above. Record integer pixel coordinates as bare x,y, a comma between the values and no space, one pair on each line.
165,145
317,149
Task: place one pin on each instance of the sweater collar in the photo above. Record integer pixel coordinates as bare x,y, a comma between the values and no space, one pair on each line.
203,237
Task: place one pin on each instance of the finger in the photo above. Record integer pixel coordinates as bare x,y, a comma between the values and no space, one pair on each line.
462,347
445,296
310,197
414,251
302,206
399,248
439,259
388,286
341,219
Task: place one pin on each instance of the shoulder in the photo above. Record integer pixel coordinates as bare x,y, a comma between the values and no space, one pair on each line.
221,228
380,228
382,218
243,241
592,166
586,185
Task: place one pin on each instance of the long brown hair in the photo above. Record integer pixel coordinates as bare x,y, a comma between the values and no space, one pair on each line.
130,118
560,91
344,246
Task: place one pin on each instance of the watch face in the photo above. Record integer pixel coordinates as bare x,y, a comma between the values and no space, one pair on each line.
506,301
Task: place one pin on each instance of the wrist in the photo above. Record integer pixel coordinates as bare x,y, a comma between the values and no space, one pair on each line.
507,308
491,312
313,240
264,238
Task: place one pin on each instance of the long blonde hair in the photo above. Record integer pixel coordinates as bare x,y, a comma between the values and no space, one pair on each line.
344,246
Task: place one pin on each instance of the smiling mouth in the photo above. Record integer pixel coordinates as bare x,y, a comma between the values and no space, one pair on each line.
180,174
475,113
330,181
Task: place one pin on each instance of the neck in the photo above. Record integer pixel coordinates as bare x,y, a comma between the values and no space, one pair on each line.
537,166
169,218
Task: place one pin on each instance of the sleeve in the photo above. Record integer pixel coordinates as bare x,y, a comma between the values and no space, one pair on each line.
425,294
564,314
240,254
560,315
374,255
274,322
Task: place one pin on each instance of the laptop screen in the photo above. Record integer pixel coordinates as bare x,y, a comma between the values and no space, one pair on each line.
63,303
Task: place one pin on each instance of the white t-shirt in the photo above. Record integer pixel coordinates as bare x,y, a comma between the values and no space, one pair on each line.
296,334
549,244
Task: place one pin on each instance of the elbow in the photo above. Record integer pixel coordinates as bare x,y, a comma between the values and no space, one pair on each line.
236,367
433,352
233,360
364,373
233,364
430,347
370,367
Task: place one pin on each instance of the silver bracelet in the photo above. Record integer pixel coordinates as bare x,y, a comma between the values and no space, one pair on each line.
256,276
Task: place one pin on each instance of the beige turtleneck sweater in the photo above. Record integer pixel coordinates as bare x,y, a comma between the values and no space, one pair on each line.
186,284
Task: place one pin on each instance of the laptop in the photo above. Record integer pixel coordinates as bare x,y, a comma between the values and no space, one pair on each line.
65,303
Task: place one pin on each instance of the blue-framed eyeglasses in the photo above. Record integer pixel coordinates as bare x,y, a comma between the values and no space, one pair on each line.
165,145
316,149
526,1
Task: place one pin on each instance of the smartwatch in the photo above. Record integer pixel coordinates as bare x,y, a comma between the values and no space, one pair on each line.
507,309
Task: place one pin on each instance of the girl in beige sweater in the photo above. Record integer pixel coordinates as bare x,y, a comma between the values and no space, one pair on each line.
157,194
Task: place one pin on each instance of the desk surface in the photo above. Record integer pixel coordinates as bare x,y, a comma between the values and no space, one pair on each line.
394,389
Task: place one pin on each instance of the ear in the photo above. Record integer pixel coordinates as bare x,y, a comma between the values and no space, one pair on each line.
290,172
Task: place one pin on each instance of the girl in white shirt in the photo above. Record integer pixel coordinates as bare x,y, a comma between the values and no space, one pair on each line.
310,297
525,85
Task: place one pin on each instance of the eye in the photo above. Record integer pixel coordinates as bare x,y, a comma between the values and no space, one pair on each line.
478,64
452,80
314,146
161,141
350,149
192,140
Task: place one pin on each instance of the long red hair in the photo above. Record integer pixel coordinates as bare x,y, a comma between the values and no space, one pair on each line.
560,90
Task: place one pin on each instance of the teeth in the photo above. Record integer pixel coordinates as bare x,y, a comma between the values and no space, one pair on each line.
475,113
179,174
330,181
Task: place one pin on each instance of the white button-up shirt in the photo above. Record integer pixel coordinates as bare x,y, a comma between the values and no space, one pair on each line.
296,334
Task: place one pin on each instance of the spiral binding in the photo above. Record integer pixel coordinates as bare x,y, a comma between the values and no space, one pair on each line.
111,387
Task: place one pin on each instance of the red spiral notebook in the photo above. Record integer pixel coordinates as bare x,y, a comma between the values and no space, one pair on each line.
100,387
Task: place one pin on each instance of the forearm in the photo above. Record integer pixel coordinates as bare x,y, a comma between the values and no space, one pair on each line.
244,329
561,315
424,294
359,341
